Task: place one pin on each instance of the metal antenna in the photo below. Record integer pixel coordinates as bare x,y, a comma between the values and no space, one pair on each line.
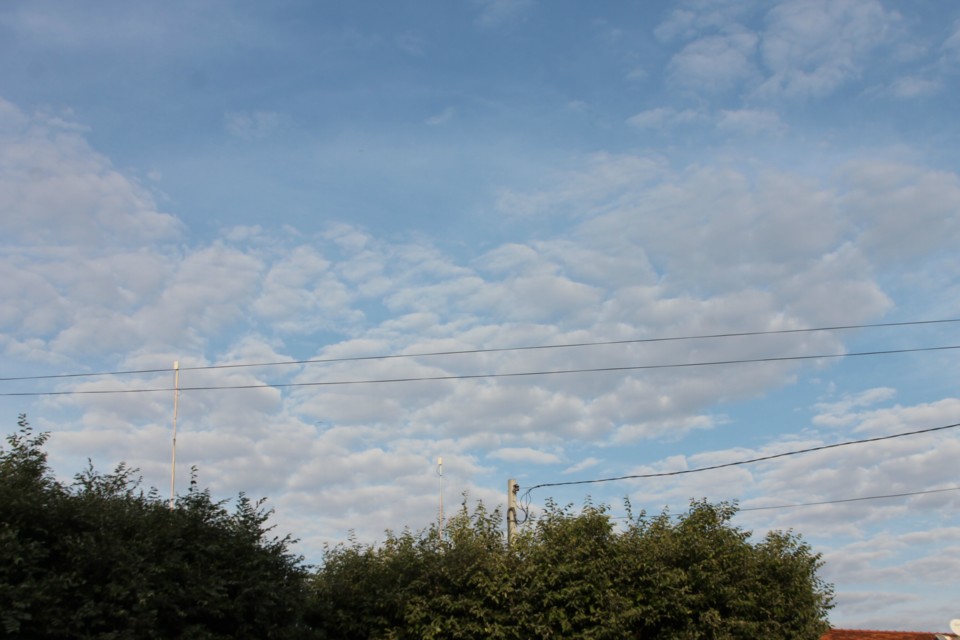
440,473
176,401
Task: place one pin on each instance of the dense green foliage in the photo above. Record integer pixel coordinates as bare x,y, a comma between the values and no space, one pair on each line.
574,575
101,559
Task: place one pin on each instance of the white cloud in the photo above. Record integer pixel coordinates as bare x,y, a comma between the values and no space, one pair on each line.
12,119
441,118
951,46
812,47
255,125
539,298
680,23
715,63
580,190
698,17
840,413
739,121
583,465
670,428
909,418
87,245
909,87
879,197
207,291
76,30
56,191
411,43
300,293
525,455
664,117
751,121
710,225
500,13
804,48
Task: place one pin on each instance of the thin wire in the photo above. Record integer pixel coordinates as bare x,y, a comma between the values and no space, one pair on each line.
489,350
725,465
843,500
476,376
825,502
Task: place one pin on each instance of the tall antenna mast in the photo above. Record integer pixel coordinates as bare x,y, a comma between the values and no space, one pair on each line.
440,473
176,401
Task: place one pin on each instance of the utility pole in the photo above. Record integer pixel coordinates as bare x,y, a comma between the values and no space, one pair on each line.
512,489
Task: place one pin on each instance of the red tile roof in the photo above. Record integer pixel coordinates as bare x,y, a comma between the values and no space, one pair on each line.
851,634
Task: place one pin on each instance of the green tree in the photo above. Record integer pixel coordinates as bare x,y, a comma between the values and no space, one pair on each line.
699,577
102,559
419,585
568,574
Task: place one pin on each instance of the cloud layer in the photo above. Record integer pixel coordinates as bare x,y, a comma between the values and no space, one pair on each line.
707,200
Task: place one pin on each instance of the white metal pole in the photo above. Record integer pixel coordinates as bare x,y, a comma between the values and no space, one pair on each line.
440,471
176,402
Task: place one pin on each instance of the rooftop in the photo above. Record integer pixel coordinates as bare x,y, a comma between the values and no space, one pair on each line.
856,634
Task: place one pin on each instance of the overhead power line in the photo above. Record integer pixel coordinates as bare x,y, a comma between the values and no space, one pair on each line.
488,350
843,500
476,376
836,501
725,465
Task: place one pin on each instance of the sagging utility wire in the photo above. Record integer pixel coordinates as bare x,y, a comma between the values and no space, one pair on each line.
887,496
477,376
524,500
741,334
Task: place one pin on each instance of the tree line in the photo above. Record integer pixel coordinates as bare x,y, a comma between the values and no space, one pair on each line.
102,558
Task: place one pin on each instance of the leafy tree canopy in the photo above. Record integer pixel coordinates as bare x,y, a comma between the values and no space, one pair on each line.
575,575
102,559
99,558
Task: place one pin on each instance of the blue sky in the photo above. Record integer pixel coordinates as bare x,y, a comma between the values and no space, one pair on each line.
242,182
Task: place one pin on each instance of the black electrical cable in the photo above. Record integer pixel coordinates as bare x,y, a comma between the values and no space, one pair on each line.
332,383
836,501
843,500
489,350
664,474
